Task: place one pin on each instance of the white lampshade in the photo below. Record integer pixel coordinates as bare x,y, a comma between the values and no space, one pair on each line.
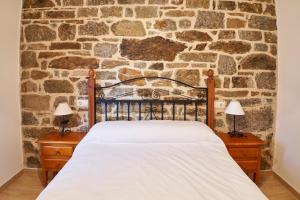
234,108
63,109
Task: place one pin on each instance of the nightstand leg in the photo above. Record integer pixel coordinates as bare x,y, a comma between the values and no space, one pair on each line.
256,177
44,177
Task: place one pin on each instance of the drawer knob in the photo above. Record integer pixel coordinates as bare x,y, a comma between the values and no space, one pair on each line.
58,153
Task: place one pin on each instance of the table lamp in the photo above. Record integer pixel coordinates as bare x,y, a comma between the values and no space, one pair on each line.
62,110
234,108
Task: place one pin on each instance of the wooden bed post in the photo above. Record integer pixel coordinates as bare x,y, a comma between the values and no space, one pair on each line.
211,99
91,97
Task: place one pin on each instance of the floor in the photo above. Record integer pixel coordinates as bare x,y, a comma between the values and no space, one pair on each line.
275,189
27,187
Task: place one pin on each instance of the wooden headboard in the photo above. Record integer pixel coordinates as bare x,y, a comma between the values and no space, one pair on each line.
208,100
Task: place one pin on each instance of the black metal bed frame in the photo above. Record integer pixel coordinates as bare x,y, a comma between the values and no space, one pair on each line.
151,102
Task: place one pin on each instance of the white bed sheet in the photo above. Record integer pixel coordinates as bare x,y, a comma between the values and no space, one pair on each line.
201,170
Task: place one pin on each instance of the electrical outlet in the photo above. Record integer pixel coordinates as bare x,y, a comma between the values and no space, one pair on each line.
82,103
220,104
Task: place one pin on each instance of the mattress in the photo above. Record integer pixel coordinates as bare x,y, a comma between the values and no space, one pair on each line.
151,161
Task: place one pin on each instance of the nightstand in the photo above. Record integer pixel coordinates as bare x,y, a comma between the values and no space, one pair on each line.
56,150
246,151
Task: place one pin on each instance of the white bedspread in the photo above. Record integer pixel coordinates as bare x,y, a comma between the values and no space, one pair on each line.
111,170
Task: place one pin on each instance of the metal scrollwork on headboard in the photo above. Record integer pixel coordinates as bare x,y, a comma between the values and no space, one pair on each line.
152,103
155,95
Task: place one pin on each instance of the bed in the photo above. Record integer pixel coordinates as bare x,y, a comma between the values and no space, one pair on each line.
160,158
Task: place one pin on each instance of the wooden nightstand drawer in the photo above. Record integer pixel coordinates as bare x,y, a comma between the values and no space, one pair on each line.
248,165
55,164
63,151
56,150
244,153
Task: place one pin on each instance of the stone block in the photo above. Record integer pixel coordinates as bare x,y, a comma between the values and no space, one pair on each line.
58,86
35,102
148,49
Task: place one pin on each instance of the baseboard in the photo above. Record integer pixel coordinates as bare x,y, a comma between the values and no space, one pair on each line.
266,171
283,181
31,169
2,187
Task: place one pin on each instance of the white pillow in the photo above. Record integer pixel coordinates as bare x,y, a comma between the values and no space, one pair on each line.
152,131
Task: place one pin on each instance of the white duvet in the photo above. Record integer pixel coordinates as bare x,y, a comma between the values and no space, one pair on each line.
151,161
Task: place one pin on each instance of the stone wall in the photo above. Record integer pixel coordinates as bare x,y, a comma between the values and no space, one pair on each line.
180,39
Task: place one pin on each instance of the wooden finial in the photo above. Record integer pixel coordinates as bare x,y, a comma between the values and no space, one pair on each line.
92,73
210,73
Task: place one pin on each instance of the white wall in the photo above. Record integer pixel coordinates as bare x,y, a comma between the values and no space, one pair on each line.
11,161
287,137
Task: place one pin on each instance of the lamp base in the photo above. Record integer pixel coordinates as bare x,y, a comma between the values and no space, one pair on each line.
62,128
236,134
